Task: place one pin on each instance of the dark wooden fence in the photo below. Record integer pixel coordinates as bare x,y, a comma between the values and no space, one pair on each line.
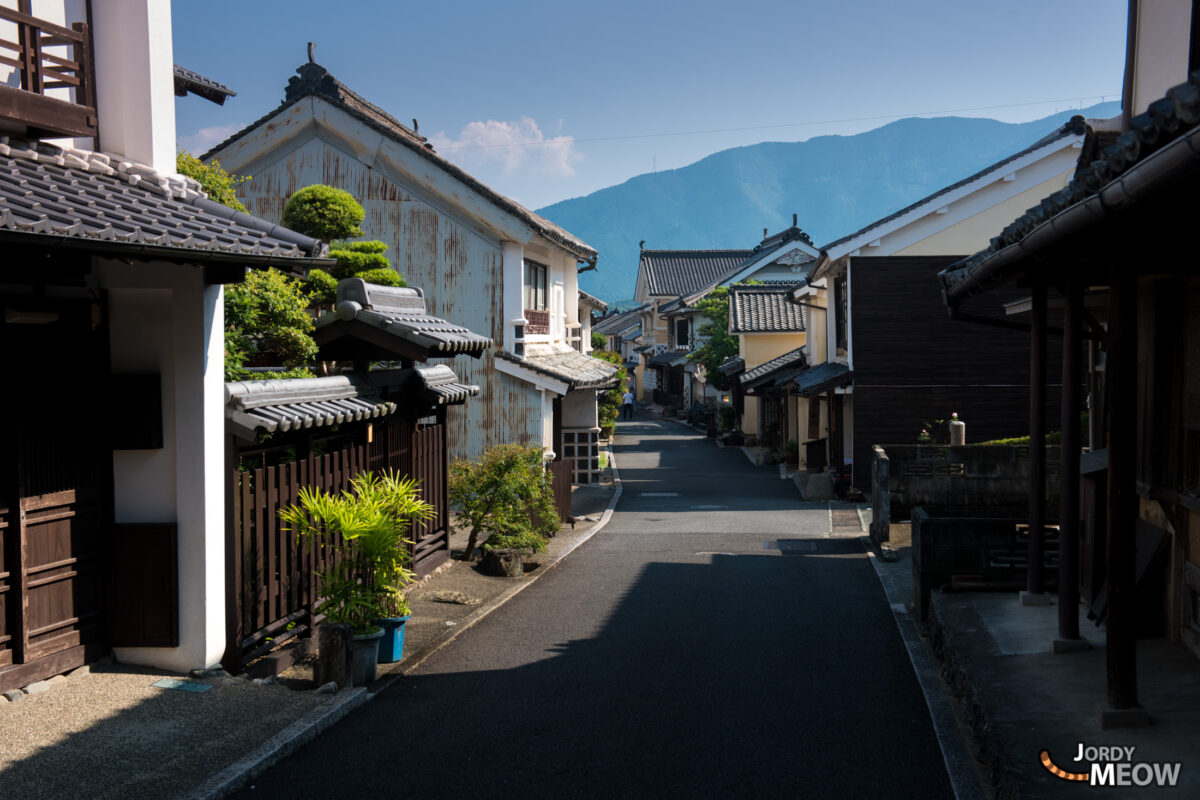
272,579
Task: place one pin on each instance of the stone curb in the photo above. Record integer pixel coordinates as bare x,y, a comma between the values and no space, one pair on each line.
279,746
304,730
960,764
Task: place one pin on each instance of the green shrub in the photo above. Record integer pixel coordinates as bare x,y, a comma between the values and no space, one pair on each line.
267,323
219,185
598,341
385,276
355,258
506,493
324,213
321,287
609,400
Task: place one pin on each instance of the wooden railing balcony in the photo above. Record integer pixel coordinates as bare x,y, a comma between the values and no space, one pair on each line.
539,321
43,71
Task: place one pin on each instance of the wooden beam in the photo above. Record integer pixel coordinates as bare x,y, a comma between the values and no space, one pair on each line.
1121,382
1035,577
1068,516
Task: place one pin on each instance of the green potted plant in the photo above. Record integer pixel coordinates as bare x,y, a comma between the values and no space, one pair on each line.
364,581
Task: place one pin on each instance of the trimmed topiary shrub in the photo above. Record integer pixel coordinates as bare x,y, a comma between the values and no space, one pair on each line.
324,213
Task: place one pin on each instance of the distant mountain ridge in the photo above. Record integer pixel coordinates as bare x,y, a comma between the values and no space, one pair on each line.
836,184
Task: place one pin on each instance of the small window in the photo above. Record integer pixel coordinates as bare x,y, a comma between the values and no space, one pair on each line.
535,286
681,332
840,311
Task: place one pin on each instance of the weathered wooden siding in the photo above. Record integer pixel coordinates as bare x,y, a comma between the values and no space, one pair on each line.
459,269
913,364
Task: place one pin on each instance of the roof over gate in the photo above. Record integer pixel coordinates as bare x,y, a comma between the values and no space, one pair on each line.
822,378
385,322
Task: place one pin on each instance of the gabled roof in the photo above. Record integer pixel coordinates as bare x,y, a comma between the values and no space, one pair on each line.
1161,148
188,81
680,272
764,308
313,80
382,322
1075,127
64,197
299,403
770,370
575,369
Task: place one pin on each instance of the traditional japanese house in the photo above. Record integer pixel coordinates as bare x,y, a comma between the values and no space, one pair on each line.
487,262
890,360
1120,230
112,488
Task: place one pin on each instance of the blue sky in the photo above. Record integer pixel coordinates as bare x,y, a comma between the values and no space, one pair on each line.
549,100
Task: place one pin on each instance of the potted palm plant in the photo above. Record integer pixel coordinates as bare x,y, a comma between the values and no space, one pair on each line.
365,531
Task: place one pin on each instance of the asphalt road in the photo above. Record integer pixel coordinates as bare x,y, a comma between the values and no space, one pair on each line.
711,641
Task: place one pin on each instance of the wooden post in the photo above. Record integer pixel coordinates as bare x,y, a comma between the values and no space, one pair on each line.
1068,516
1035,587
231,659
1121,381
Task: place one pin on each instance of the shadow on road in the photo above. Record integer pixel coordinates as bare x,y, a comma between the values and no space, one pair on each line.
754,676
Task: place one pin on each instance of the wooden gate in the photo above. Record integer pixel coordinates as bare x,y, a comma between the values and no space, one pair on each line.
272,579
52,505
560,479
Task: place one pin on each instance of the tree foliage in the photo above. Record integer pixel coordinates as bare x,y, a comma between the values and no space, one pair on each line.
219,185
506,493
324,213
719,344
267,324
609,400
598,341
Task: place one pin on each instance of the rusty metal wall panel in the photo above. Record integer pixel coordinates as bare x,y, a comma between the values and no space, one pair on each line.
460,270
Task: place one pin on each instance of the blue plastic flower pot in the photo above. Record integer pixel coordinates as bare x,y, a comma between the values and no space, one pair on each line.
391,647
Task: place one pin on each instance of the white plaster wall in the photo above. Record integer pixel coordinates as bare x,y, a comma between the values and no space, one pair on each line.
1161,50
514,275
135,84
165,315
547,418
579,409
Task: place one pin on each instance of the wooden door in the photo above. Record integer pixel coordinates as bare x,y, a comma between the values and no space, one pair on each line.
56,481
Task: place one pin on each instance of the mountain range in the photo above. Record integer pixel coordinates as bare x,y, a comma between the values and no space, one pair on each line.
835,184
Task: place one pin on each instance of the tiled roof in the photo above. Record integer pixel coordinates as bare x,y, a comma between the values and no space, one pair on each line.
441,386
313,80
1074,127
594,302
668,358
764,308
577,370
617,322
299,403
83,199
632,332
789,360
400,314
822,378
732,365
1165,139
680,272
188,81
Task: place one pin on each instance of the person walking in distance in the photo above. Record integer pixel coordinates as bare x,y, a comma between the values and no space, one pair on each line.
627,404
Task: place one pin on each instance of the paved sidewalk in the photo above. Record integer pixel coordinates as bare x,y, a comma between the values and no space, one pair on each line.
1012,697
106,732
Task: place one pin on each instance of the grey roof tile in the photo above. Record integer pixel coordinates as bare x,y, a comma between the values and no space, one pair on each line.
732,365
577,370
101,207
823,377
187,80
313,80
441,386
768,370
594,302
299,403
399,313
764,308
680,272
616,323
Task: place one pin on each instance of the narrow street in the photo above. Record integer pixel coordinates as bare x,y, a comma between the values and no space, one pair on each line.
712,641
